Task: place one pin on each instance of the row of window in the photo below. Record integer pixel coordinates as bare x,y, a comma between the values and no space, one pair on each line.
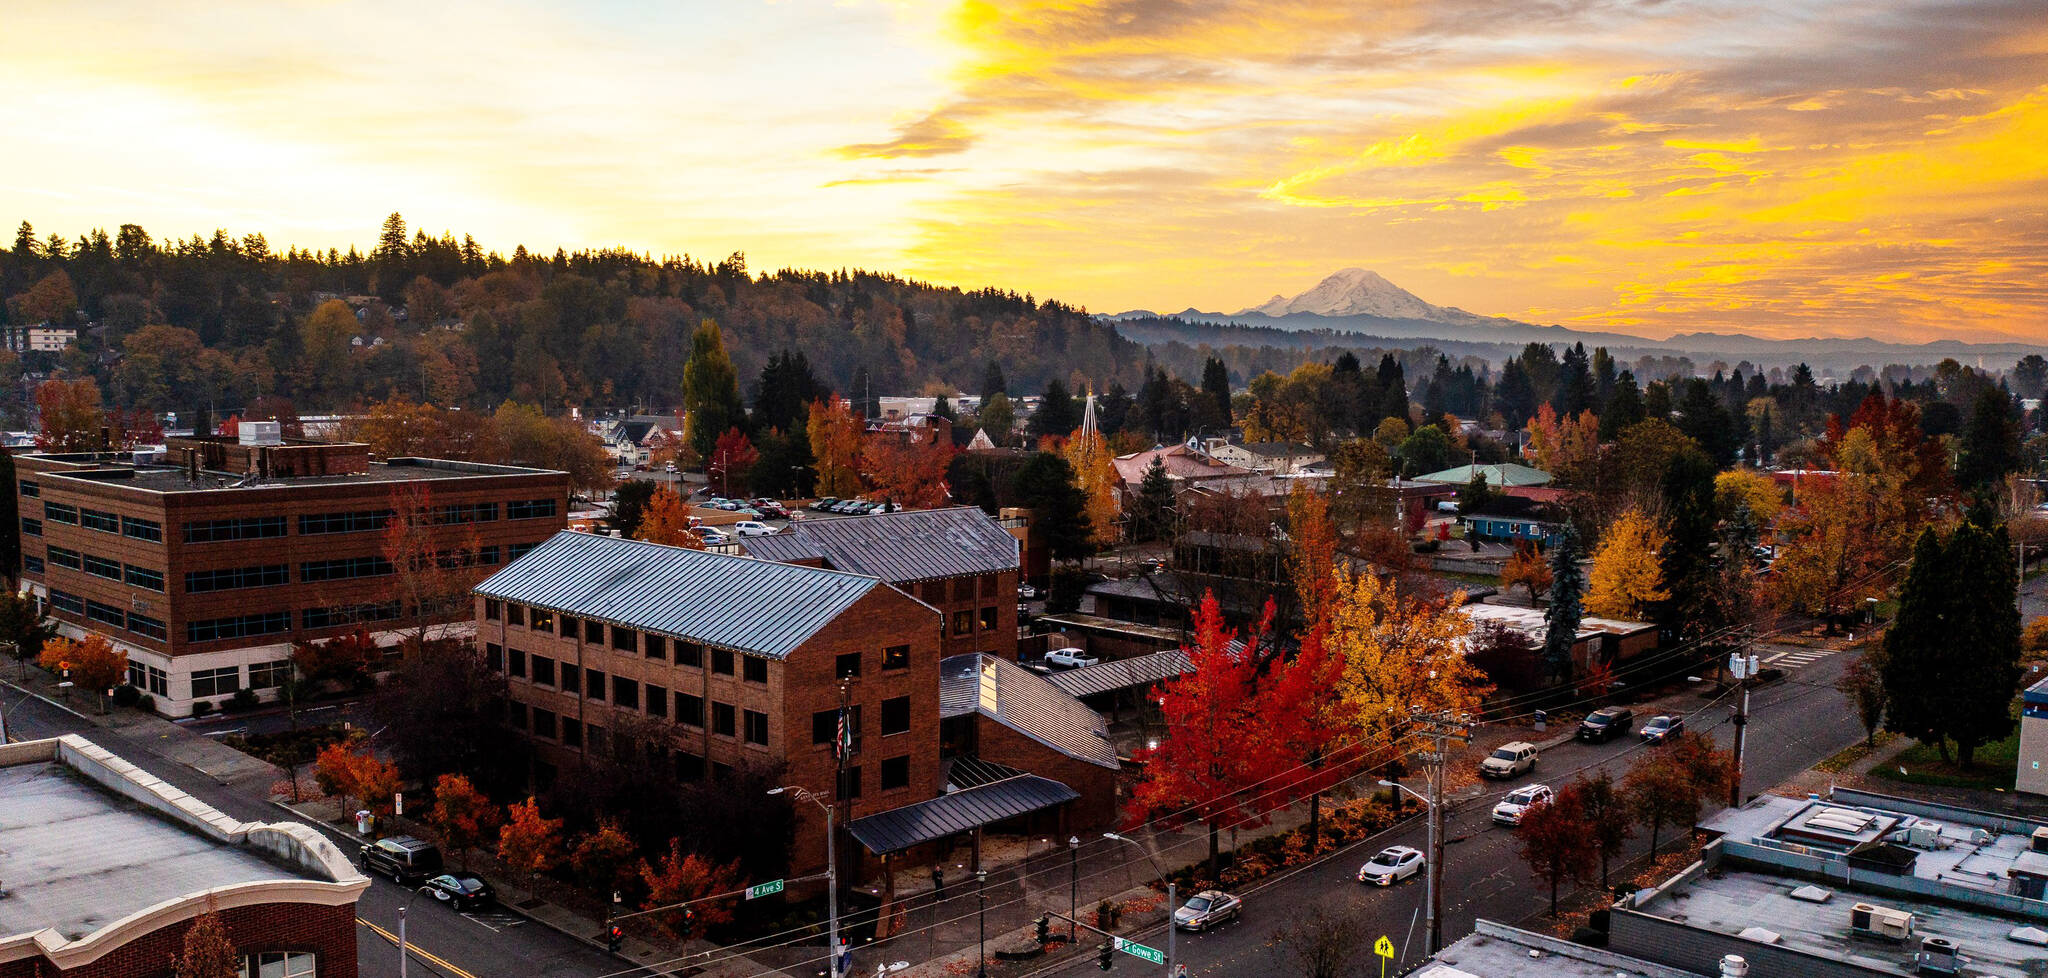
570,732
98,566
343,569
103,521
628,694
963,621
359,521
107,614
206,683
238,626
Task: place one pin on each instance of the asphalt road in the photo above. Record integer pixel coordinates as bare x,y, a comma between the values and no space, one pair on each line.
447,944
1793,724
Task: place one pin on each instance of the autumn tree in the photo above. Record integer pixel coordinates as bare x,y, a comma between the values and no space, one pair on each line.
432,552
1223,741
835,436
1402,652
1526,568
679,877
1324,942
92,663
1556,840
1862,681
1088,455
51,300
1627,575
1670,786
360,775
207,951
69,416
912,475
602,857
1748,487
23,627
1310,720
1607,817
711,390
529,843
666,520
462,816
347,660
731,463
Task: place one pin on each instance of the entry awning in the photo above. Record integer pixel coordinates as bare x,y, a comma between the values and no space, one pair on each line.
962,811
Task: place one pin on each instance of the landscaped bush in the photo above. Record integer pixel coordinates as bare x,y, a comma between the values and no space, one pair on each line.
244,699
126,695
202,708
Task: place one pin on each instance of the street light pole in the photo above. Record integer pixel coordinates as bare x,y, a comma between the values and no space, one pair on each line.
403,953
981,923
1073,887
1171,898
831,874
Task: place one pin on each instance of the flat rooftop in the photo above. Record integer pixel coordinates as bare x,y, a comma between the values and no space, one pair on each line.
1969,853
172,478
1495,950
1734,901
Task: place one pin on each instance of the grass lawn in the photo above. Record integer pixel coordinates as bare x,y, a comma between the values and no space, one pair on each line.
1995,767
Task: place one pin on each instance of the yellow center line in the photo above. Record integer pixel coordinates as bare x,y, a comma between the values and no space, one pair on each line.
416,950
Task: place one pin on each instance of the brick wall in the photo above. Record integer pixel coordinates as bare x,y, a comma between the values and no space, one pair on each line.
1097,805
330,932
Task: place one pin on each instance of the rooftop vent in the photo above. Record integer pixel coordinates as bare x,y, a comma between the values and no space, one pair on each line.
260,433
1733,966
1847,821
2039,843
1812,894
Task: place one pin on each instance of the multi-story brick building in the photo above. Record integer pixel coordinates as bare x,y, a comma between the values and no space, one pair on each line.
957,560
106,867
207,567
727,661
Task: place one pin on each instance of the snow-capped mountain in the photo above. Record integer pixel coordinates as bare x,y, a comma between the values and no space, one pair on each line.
1358,292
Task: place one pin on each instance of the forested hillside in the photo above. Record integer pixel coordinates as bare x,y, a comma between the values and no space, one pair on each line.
181,325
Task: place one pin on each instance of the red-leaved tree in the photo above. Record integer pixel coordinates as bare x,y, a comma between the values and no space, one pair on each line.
1556,840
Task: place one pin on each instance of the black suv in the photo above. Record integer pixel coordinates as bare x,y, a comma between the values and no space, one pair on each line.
407,860
1606,722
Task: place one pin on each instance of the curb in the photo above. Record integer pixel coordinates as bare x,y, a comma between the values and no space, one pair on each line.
25,691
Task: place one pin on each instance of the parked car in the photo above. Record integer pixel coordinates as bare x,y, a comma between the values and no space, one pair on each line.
728,505
847,507
461,890
1070,658
1661,727
403,858
1510,809
824,504
753,528
1207,909
771,509
670,468
1027,592
1606,723
1509,760
713,538
1392,865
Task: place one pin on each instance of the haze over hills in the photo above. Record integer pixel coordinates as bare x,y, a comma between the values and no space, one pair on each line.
1363,302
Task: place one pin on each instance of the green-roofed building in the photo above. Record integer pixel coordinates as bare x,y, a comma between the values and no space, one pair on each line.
1501,475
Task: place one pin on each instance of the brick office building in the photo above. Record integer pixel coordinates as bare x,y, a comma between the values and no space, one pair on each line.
733,661
106,867
207,568
957,560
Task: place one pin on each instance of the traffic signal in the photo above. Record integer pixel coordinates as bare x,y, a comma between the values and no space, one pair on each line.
1044,929
689,922
1105,957
614,938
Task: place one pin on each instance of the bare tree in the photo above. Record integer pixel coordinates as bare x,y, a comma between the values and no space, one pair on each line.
1322,943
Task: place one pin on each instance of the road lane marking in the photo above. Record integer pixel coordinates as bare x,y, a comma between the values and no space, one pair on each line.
416,950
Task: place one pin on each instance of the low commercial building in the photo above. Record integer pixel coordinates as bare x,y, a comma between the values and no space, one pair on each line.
1495,950
2033,772
104,868
43,338
207,567
1606,641
1272,458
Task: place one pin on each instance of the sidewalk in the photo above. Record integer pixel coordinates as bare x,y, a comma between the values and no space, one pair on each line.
225,765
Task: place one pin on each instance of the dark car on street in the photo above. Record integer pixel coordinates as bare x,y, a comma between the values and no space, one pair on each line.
1607,723
406,860
461,890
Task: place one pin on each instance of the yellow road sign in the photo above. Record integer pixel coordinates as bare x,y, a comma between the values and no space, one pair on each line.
1383,947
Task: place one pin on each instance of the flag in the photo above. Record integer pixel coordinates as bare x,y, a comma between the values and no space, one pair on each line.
842,743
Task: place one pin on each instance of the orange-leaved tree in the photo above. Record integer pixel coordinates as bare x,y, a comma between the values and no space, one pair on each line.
1225,742
207,952
912,476
1526,568
70,414
835,436
1089,455
679,877
1627,575
732,462
1557,841
359,775
529,843
665,519
91,663
602,856
1316,718
1402,652
464,816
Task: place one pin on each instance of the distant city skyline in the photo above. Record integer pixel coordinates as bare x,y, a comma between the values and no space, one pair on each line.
1788,169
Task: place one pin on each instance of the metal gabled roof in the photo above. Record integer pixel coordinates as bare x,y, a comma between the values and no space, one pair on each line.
748,605
962,811
1143,670
913,545
1025,702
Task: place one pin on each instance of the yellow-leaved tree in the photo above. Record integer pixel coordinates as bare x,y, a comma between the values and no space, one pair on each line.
1401,652
1750,488
1089,455
1627,575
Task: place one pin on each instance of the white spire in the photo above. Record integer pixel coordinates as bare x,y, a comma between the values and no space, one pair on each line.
1088,414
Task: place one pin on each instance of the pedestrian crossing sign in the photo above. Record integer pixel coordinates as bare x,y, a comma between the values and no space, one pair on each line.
1383,947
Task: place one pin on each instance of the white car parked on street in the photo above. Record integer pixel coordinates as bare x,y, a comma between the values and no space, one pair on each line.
1519,801
1391,866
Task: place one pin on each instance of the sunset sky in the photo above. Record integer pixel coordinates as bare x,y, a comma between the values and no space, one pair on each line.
1785,168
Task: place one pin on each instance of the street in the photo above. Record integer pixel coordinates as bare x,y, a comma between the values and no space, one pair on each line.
451,945
1793,724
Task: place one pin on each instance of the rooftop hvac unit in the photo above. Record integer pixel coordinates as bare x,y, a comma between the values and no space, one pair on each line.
1869,918
260,433
1925,835
1939,956
2040,840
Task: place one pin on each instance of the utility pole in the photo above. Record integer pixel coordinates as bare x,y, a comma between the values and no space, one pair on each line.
1743,667
1440,728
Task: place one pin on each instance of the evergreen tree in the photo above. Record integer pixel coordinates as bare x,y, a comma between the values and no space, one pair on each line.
1113,408
782,399
1657,401
1575,383
1215,407
711,390
1701,416
1603,379
1393,388
1513,397
1059,509
1990,447
1058,413
1951,665
1624,407
942,408
1567,590
628,503
1155,501
1690,577
992,381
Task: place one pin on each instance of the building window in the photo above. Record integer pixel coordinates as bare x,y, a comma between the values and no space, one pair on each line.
465,513
848,665
348,614
515,614
988,619
99,519
216,682
543,723
515,662
963,622
342,569
65,601
593,632
31,563
61,513
572,732
625,639
722,719
689,767
64,557
516,714
106,614
625,693
657,647
250,528
142,577
234,578
148,627
148,678
690,654
239,626
593,684
689,709
493,609
31,527
30,488
896,657
518,550
757,727
824,724
657,701
99,566
361,521
528,509
568,626
896,715
896,772
572,678
281,964
543,670
721,661
149,530
755,670
269,675
543,620
721,772
494,657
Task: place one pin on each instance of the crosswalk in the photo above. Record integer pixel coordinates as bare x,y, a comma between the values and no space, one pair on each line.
1798,658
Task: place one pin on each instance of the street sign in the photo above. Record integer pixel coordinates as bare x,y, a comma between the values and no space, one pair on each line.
1383,947
1140,951
764,889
